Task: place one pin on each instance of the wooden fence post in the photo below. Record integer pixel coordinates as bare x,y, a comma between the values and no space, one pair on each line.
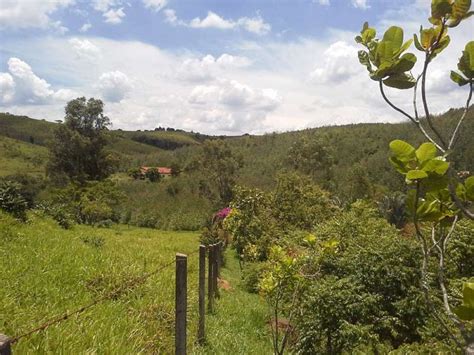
210,279
202,294
215,272
219,258
181,304
5,345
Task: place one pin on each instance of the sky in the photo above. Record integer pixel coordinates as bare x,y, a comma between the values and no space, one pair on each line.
211,66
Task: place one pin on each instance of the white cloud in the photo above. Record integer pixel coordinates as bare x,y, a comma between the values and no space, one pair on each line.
208,68
114,16
114,86
104,5
84,48
155,5
254,25
212,20
233,105
339,64
85,27
323,2
7,88
20,14
256,86
360,4
250,24
22,86
170,17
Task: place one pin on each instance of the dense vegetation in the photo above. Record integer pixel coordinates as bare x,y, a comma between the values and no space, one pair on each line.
358,238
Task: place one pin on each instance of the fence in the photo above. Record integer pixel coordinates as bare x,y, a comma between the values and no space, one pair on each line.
214,253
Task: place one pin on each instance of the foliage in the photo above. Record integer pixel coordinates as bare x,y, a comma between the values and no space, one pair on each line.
437,198
312,156
392,207
77,151
220,167
153,175
297,202
12,200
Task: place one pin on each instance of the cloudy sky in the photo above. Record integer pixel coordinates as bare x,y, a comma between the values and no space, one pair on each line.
213,66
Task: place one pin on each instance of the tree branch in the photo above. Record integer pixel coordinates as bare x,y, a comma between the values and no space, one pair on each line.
458,126
423,87
411,118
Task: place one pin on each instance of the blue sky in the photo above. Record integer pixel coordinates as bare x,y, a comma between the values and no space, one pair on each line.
222,67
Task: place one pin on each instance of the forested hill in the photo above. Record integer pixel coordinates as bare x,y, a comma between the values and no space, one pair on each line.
341,154
351,162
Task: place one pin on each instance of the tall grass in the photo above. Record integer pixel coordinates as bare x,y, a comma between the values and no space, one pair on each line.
47,271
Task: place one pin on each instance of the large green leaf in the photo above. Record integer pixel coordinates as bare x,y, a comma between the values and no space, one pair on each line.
404,47
443,43
400,81
440,8
459,11
399,165
468,294
466,310
368,35
426,151
427,37
466,62
364,60
405,63
458,79
465,313
416,175
469,184
385,52
417,43
402,149
436,166
395,35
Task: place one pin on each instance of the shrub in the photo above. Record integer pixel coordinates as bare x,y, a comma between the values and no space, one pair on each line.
12,201
93,241
251,276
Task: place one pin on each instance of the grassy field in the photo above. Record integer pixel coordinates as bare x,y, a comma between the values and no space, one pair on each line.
17,156
47,271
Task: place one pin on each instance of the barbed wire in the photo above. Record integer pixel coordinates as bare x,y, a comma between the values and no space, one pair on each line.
117,292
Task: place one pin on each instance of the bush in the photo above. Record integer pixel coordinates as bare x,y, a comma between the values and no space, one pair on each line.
146,221
60,214
251,275
93,241
12,201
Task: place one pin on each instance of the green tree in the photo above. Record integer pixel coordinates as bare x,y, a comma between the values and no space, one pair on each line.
438,196
77,150
220,165
312,156
153,175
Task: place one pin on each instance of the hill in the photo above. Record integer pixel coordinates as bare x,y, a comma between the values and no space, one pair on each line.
356,166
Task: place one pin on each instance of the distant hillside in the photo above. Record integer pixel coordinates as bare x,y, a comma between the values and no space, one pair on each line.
358,145
21,157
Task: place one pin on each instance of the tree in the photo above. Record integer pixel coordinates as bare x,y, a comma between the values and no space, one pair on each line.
438,196
153,174
312,156
220,165
77,150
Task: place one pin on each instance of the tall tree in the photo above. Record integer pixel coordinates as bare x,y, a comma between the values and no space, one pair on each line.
220,165
77,149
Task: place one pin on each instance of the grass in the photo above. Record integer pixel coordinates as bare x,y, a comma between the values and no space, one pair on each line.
47,271
238,325
17,156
